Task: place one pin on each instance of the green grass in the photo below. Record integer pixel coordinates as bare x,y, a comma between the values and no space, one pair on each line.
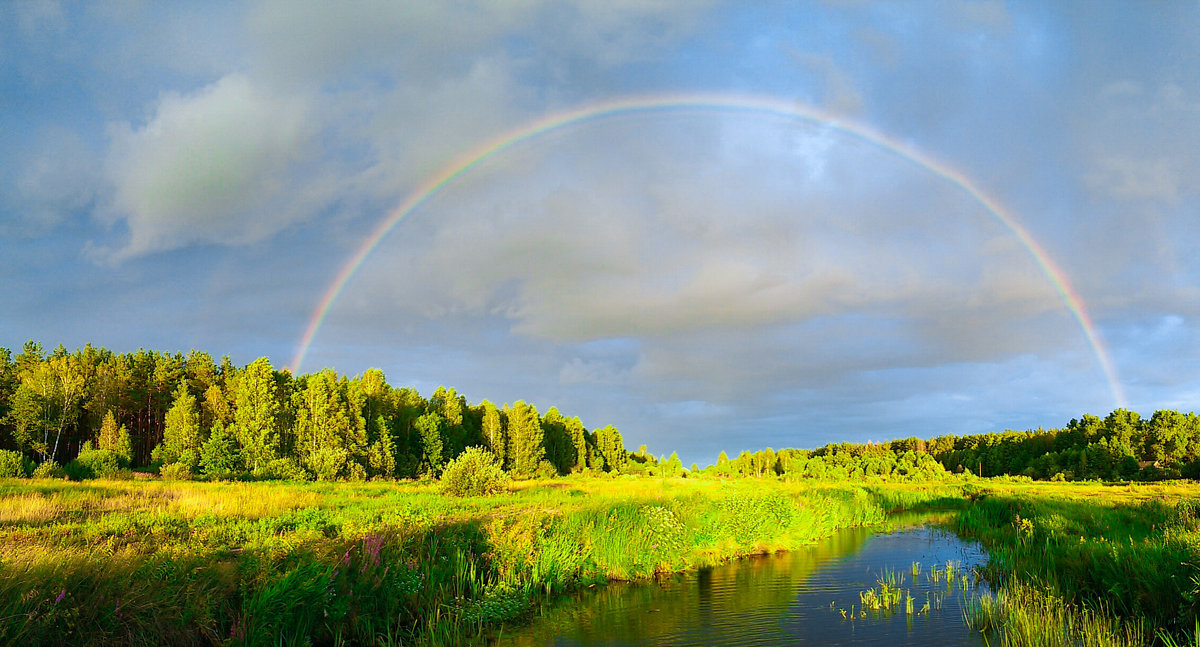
130,562
127,562
1023,615
1131,551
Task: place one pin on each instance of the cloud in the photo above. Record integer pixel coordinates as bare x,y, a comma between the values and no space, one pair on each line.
56,181
689,239
213,166
1141,145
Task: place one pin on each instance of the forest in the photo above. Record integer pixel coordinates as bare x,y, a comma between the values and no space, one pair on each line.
93,412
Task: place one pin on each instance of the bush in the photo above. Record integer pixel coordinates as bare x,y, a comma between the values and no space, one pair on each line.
475,472
49,470
282,469
95,463
13,464
176,472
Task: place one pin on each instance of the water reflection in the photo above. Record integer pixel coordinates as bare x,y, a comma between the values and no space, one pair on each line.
792,598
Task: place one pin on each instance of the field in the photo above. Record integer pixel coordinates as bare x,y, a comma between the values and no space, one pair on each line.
158,562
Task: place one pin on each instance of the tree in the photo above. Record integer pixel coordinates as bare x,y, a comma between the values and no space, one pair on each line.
115,439
577,435
381,456
256,415
330,431
474,472
47,402
495,436
182,439
611,447
220,455
560,451
430,429
525,431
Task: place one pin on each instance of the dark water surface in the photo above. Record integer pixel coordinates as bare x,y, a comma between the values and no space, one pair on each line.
791,598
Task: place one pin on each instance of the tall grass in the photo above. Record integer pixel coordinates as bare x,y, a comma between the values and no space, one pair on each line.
150,563
1123,551
1024,615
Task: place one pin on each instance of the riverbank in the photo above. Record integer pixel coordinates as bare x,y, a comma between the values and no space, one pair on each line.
119,562
1117,563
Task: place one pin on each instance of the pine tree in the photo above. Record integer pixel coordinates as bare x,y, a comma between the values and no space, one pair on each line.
181,437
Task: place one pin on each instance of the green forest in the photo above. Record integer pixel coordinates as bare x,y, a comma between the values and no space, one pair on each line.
93,412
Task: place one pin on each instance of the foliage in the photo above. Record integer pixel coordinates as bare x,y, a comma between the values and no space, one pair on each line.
284,469
49,470
13,464
176,472
182,440
475,472
95,463
116,440
154,408
219,455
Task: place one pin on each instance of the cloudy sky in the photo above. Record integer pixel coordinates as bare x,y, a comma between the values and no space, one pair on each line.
705,278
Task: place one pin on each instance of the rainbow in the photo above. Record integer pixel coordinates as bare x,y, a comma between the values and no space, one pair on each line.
765,106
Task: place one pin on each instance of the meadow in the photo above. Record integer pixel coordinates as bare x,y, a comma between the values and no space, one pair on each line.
250,563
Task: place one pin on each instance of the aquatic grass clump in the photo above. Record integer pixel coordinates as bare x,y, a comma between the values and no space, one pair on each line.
1023,615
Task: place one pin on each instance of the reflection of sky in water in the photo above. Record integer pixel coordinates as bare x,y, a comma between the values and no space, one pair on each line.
781,599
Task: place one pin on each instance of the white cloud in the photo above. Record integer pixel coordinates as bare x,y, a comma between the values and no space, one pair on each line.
213,166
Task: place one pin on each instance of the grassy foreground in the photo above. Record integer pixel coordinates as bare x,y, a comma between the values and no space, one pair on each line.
1088,563
184,563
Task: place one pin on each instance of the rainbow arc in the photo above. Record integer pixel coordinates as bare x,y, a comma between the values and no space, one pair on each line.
753,105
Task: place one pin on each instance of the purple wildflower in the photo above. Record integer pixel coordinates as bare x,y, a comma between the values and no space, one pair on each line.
61,594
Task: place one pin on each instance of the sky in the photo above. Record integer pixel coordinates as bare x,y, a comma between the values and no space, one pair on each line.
959,217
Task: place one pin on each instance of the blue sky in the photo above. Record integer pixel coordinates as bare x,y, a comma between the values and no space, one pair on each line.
183,176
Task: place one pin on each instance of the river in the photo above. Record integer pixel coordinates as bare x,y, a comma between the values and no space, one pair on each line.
793,598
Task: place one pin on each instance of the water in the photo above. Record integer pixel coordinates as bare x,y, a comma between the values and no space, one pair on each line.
791,598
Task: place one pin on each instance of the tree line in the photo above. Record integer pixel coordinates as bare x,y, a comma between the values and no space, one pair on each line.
1121,446
96,410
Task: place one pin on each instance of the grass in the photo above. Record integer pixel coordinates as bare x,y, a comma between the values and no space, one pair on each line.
128,562
1128,551
1024,615
154,562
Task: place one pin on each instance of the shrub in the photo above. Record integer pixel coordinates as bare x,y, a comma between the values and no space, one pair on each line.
176,472
49,470
282,469
95,463
13,464
475,472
